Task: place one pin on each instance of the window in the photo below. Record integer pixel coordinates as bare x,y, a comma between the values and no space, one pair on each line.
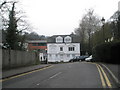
39,44
61,48
67,39
59,39
34,44
71,49
42,44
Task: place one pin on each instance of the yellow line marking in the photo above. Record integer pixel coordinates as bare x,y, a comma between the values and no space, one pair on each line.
24,74
106,78
100,69
101,77
111,73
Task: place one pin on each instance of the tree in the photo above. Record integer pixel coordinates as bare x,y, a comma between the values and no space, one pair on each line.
12,33
34,36
13,25
88,25
116,25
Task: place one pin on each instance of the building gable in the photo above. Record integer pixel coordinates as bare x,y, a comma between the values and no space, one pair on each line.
59,39
67,39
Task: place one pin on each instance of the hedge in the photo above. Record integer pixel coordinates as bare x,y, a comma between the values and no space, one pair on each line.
107,52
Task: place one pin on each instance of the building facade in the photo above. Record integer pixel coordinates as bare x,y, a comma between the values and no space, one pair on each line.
39,46
62,48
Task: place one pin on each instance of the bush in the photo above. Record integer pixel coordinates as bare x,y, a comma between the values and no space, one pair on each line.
107,52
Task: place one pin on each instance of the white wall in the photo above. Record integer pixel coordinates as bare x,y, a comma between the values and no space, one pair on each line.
65,55
54,48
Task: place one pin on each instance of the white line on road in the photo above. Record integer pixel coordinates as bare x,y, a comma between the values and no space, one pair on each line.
50,77
55,75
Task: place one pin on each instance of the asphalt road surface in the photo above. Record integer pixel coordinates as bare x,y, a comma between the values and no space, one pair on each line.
68,75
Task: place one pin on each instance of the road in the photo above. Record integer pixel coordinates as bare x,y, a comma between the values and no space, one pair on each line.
68,75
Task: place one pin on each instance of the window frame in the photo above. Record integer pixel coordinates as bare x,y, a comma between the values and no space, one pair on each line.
71,48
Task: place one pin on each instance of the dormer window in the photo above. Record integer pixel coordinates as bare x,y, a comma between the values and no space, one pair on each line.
67,39
59,39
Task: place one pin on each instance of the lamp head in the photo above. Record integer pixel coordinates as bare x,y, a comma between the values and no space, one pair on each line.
103,20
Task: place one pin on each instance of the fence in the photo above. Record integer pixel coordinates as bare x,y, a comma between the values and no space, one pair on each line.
13,58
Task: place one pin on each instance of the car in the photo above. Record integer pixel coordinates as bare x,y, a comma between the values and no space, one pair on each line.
78,58
82,58
88,59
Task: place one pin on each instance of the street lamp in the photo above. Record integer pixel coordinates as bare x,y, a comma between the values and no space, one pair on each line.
103,22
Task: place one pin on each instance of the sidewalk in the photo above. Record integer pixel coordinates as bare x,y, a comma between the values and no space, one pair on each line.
17,71
114,71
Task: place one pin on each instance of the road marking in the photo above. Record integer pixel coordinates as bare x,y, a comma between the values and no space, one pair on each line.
101,77
25,73
106,78
104,74
49,78
111,73
55,75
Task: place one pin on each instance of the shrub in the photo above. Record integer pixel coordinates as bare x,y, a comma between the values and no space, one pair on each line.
107,52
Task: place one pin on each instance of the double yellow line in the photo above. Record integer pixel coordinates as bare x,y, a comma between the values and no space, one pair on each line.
104,79
25,73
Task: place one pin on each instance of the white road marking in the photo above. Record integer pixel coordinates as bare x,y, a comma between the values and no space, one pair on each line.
49,78
55,75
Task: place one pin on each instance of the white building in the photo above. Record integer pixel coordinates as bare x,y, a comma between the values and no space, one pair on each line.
62,48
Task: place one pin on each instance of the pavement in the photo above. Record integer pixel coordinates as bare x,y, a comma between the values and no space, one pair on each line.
17,71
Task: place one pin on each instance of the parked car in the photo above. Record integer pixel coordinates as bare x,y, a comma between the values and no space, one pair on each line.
89,58
82,58
78,58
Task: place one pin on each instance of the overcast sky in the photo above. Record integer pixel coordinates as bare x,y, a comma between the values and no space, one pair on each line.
51,17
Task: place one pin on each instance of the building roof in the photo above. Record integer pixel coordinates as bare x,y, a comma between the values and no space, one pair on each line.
37,41
52,39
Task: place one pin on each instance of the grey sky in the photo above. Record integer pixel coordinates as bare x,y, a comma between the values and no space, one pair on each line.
50,17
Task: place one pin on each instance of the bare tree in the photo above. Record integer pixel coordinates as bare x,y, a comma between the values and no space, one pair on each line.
3,3
13,21
88,25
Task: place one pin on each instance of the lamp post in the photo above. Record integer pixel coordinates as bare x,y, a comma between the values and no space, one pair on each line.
103,22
